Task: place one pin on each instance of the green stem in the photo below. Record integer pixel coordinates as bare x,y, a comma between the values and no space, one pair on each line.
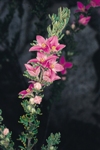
29,142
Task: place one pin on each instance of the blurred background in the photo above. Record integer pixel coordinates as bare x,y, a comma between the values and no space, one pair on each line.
77,113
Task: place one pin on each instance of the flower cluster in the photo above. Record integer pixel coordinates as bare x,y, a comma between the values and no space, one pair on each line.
83,10
44,68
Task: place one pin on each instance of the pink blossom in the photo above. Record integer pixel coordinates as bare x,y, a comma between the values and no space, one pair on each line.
81,7
50,76
37,85
65,64
95,3
5,131
41,45
54,45
33,71
84,20
47,45
54,66
42,58
37,99
27,92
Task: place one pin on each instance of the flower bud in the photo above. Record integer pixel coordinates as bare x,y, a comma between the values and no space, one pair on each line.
73,26
37,99
29,107
63,78
37,86
5,131
33,110
51,148
67,32
31,100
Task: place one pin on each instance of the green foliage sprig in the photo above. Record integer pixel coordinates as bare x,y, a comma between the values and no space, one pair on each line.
58,22
30,123
6,142
52,141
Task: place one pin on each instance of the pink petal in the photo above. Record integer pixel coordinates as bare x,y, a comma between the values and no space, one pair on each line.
23,92
54,76
68,65
84,20
64,72
37,71
40,39
49,39
88,7
28,67
31,87
54,41
37,99
62,60
32,60
46,78
35,48
95,3
60,47
53,57
58,67
81,16
80,6
31,73
39,55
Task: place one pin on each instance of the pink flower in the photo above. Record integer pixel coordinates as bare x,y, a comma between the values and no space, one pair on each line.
5,131
33,71
82,7
84,20
41,45
27,92
37,85
49,45
50,76
36,100
54,66
95,3
65,64
42,58
54,45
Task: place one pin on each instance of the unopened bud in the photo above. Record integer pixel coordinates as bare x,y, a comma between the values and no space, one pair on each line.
67,32
73,26
31,100
5,131
63,78
37,86
51,148
29,107
33,110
